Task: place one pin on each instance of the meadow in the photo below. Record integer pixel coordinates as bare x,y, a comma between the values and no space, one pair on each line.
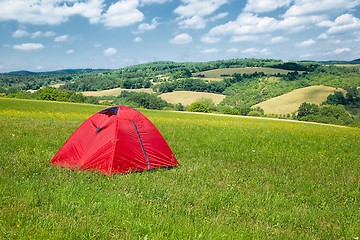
240,178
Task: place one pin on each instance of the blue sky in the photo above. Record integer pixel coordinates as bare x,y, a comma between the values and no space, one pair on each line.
43,35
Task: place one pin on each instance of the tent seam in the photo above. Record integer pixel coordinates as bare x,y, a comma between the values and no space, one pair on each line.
142,145
115,143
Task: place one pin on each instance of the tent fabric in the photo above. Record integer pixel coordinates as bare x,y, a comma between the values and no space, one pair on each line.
116,140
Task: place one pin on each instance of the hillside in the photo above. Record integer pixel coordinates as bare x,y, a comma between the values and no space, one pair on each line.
290,102
239,178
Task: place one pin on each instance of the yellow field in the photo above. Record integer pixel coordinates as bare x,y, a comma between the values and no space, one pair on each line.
210,79
114,92
187,97
290,102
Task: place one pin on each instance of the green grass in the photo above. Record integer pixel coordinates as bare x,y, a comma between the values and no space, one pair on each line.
239,178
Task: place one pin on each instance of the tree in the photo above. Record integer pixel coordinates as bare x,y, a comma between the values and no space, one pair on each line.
353,93
49,93
338,112
336,99
306,109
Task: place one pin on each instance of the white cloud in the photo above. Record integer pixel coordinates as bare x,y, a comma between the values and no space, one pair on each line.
219,16
207,39
110,52
244,38
193,12
265,6
123,13
154,1
20,33
278,39
252,24
70,51
29,46
182,38
50,12
148,26
246,24
323,36
36,34
62,38
306,43
210,50
256,51
194,22
198,7
138,40
42,34
298,23
342,50
308,7
344,23
232,50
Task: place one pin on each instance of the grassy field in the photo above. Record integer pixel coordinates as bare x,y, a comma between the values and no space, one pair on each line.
290,102
217,73
355,66
188,97
240,178
115,92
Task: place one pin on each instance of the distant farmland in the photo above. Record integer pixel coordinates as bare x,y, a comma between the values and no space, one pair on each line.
187,97
114,92
290,102
220,73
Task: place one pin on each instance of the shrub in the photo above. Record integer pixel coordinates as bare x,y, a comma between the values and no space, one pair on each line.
254,113
229,110
197,106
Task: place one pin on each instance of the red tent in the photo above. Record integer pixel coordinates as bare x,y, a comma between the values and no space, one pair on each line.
116,140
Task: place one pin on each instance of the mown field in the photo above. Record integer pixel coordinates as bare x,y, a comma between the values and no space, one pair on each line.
188,97
290,102
218,73
115,92
240,178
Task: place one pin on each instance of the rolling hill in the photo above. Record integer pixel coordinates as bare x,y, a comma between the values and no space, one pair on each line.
290,102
